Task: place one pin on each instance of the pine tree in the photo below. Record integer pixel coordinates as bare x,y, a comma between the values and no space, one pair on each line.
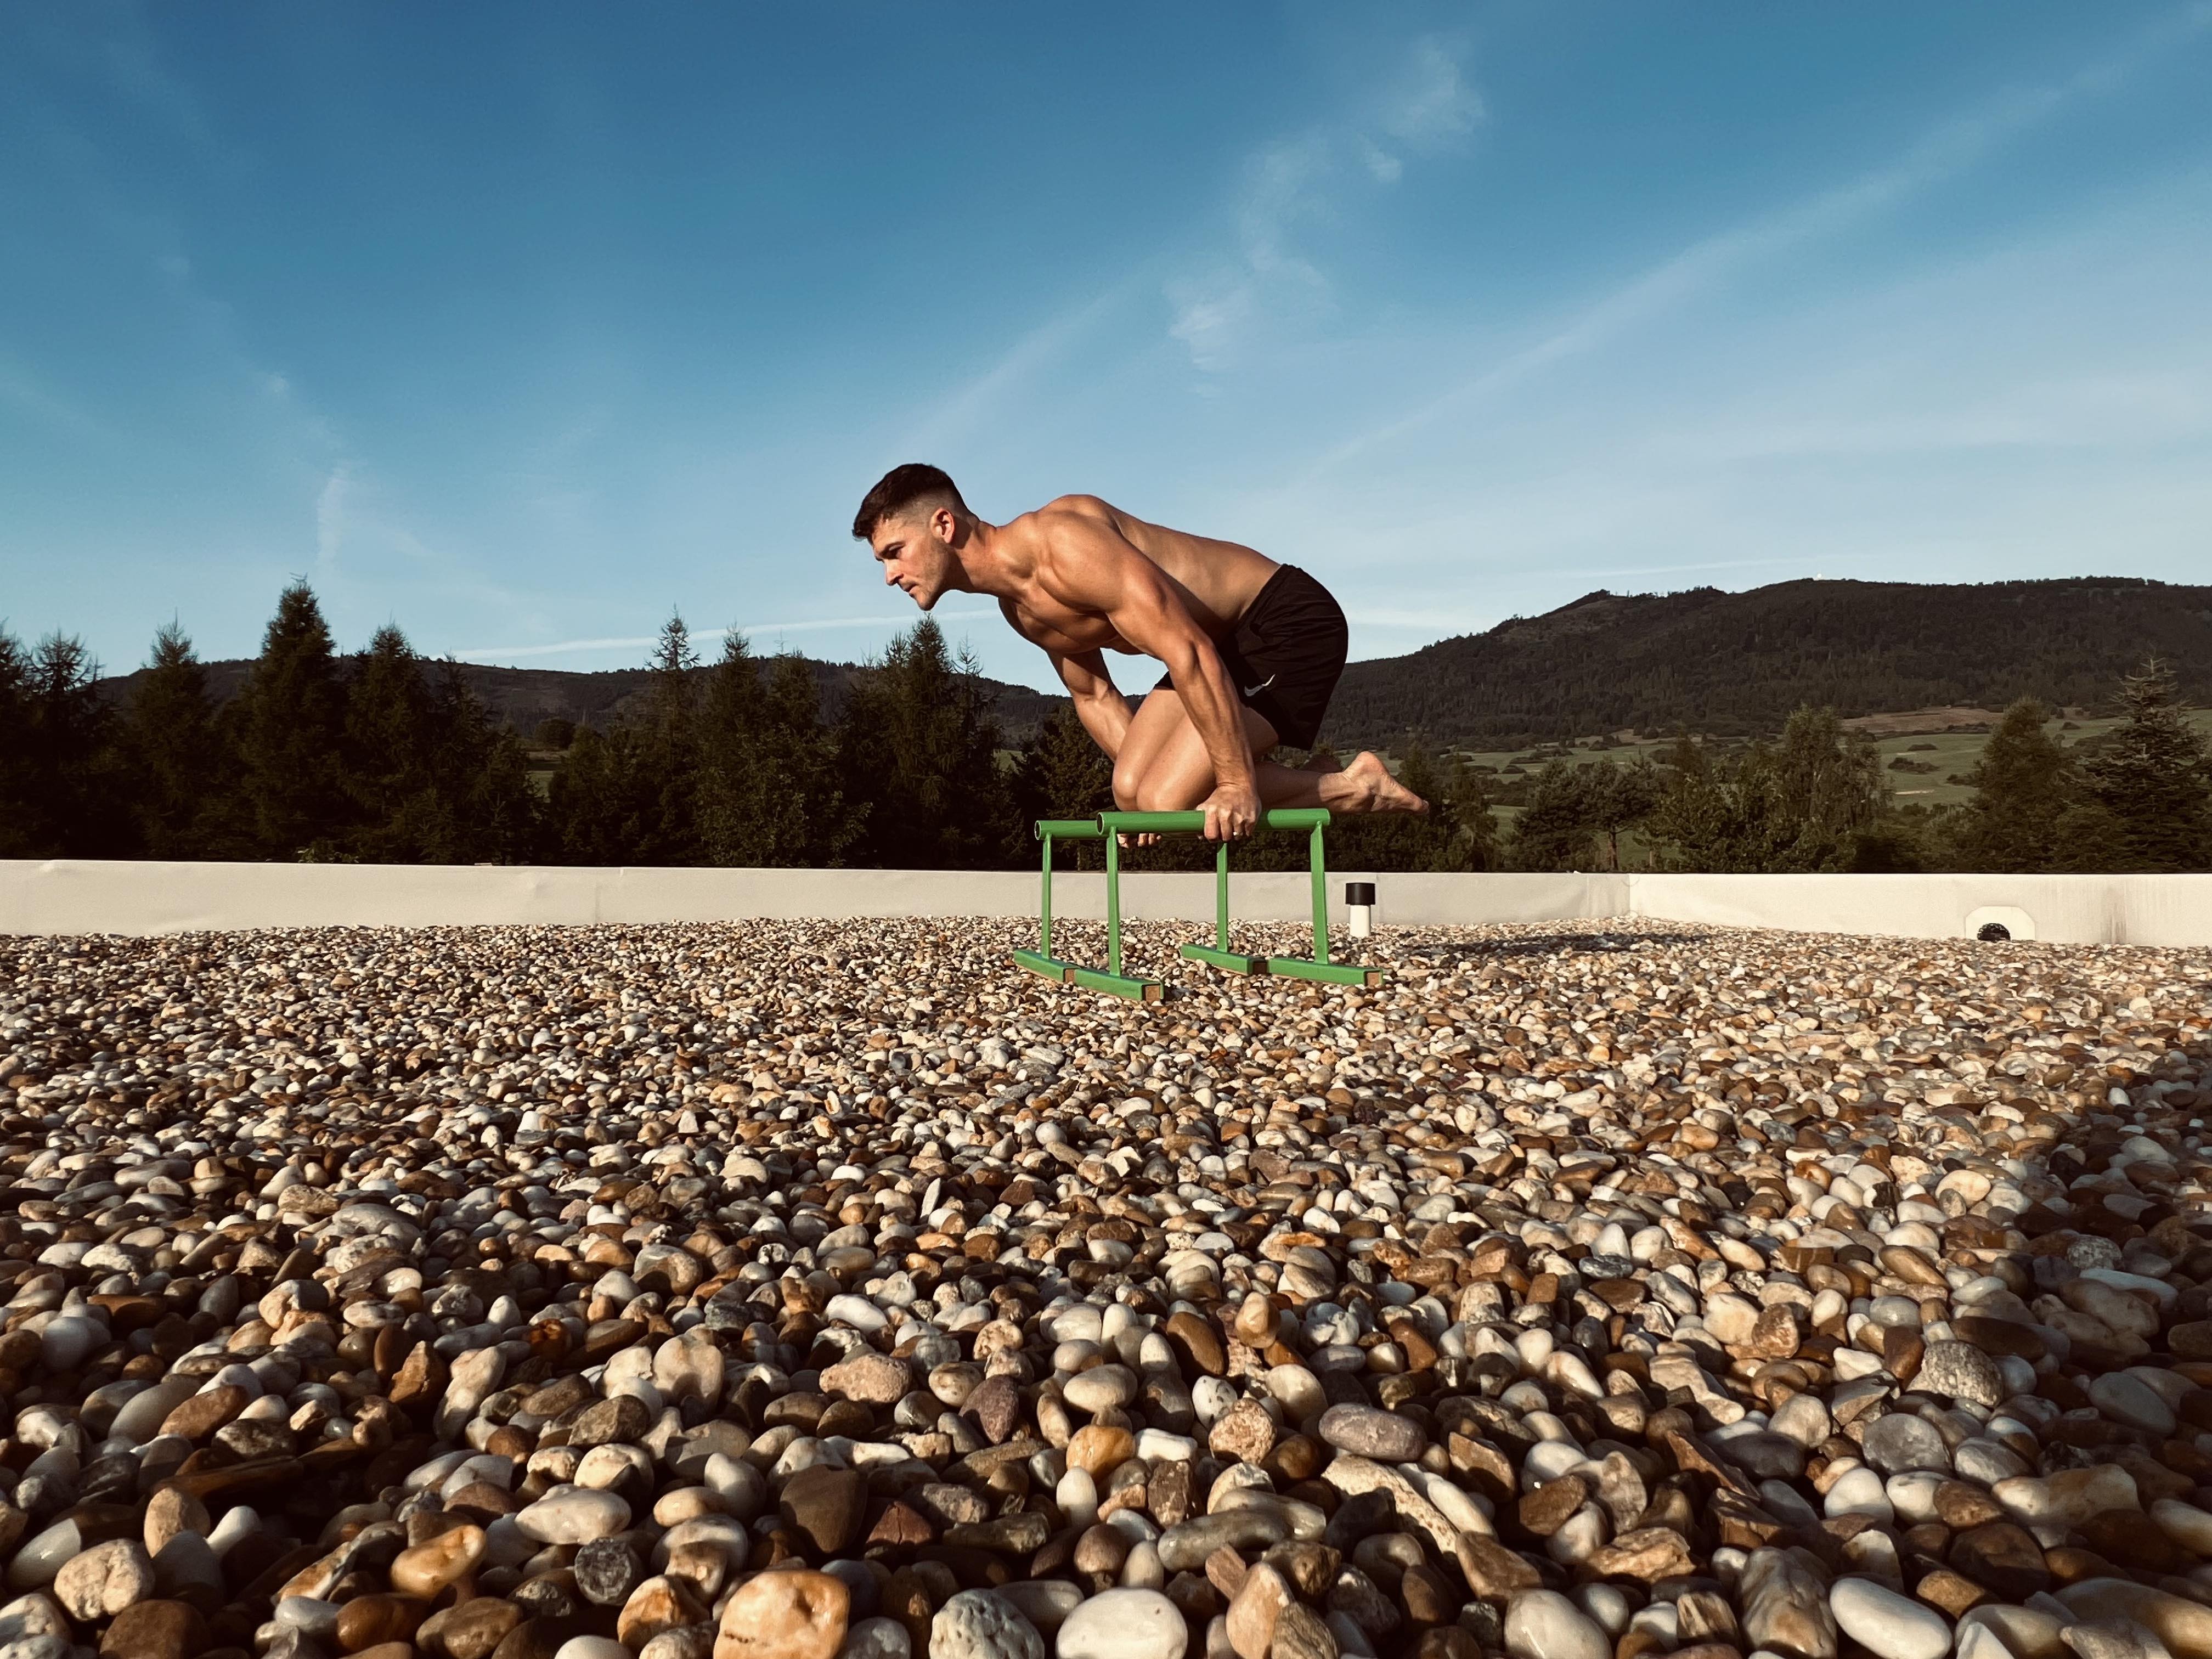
184,772
1622,798
1474,828
19,836
62,789
1064,774
733,805
1698,820
2023,784
1822,788
391,749
667,743
2091,840
812,820
293,722
1815,801
1558,830
73,799
476,804
917,744
2154,777
593,813
503,812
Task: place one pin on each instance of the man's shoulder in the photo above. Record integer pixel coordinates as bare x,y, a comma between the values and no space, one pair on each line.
1063,508
1066,527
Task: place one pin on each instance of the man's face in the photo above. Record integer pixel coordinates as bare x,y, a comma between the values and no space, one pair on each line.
915,550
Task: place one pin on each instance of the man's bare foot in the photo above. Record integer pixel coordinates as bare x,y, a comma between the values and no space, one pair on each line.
1367,785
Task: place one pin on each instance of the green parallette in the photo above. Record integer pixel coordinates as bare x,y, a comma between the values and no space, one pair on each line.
1112,826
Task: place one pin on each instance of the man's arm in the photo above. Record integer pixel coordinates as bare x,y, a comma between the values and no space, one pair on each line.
1099,704
1093,568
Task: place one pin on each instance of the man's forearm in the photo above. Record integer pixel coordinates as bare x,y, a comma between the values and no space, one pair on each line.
1106,718
1210,700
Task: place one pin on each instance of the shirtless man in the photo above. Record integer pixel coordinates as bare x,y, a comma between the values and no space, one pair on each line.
1253,649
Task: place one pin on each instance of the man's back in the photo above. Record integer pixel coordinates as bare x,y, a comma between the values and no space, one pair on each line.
1217,580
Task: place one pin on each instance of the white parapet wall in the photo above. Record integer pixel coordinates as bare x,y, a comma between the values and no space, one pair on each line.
2067,909
84,896
69,896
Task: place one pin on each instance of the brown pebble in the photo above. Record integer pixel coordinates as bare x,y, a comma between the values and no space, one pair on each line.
367,1620
470,1630
155,1630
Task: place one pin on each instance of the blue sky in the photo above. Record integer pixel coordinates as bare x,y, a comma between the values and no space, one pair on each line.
520,325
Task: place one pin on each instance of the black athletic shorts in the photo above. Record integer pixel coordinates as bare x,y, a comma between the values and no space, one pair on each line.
1286,654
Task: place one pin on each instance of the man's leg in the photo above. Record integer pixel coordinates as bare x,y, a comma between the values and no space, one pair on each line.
1163,768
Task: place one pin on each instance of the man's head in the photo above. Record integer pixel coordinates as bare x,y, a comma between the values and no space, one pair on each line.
915,522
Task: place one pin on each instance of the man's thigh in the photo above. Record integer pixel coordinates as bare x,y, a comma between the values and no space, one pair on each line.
1156,722
1162,744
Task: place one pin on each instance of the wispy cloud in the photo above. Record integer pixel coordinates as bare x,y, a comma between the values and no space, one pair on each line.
1214,312
1433,106
329,517
1267,285
639,641
958,417
1939,156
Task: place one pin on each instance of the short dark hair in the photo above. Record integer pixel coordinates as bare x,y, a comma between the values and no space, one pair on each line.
900,488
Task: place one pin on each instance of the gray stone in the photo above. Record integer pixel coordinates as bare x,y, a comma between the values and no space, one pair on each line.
981,1624
1963,1371
1899,1441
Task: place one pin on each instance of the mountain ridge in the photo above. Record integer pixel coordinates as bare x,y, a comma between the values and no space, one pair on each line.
1736,663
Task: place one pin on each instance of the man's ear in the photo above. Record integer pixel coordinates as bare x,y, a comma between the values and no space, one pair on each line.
945,524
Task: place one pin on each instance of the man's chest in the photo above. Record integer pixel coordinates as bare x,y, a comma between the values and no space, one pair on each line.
1062,629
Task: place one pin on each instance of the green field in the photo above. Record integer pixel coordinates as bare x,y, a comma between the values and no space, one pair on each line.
1949,754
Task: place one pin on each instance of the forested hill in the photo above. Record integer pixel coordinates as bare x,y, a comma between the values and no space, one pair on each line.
522,697
1736,663
1732,665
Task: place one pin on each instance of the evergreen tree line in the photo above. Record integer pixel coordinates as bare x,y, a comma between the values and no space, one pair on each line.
382,756
379,758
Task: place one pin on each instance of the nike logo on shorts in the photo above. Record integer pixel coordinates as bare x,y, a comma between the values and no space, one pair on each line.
1255,691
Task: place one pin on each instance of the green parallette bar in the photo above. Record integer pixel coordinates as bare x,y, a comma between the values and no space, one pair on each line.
1120,985
1187,824
1068,829
1234,962
1037,963
1333,973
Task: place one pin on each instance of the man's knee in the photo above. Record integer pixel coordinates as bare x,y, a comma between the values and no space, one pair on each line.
1128,788
1156,796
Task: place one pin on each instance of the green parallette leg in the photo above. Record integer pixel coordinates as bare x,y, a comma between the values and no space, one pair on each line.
1041,961
1113,981
1219,954
1319,967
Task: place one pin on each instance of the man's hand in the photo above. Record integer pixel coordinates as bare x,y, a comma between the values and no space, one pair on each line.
1232,812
